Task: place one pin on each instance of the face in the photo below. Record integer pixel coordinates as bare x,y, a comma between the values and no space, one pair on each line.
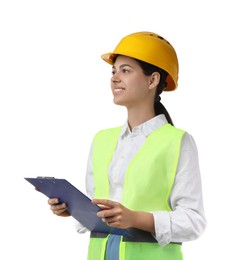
130,87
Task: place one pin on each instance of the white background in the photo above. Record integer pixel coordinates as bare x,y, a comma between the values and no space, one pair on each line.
55,95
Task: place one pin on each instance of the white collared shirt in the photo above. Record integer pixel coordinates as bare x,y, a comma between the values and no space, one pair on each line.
187,220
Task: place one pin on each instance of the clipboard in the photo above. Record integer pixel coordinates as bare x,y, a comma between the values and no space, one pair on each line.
79,205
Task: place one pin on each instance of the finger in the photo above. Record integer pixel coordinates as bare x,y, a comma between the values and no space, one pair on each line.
110,219
111,223
105,213
58,212
103,207
58,207
53,201
104,202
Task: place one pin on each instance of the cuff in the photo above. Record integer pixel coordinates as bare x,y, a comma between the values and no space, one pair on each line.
162,227
80,228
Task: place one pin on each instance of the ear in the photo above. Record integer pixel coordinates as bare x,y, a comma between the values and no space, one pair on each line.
154,80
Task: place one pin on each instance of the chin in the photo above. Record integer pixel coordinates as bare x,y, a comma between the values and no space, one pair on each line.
118,102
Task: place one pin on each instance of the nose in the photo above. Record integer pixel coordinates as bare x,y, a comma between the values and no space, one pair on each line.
115,78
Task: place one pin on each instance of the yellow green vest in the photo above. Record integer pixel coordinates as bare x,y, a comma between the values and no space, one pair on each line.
147,186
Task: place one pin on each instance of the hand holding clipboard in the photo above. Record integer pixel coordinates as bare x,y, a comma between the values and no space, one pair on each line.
78,204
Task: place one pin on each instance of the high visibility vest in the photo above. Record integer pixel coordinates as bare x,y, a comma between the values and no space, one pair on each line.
147,186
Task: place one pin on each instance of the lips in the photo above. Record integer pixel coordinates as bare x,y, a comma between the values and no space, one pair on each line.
119,89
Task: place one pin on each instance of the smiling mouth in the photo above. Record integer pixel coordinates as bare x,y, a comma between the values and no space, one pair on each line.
117,90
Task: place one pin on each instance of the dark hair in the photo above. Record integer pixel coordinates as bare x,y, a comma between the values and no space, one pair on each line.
148,69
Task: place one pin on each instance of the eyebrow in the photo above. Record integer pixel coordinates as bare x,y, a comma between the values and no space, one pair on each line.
122,65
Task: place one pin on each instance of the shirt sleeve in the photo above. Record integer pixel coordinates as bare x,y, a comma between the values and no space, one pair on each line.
89,175
89,189
187,220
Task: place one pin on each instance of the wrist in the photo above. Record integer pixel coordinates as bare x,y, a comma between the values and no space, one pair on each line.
143,220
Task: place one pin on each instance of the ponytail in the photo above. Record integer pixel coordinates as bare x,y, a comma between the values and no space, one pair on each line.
160,109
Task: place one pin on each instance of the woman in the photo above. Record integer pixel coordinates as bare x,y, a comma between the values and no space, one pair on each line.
145,174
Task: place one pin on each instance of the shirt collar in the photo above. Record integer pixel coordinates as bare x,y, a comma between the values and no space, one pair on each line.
146,128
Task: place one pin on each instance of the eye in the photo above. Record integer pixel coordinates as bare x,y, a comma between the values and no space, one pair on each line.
125,70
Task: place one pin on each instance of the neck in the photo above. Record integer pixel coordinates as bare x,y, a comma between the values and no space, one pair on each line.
137,117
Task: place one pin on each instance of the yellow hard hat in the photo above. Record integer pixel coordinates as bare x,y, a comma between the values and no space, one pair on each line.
151,48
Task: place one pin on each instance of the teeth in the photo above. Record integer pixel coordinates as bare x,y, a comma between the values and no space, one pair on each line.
118,89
